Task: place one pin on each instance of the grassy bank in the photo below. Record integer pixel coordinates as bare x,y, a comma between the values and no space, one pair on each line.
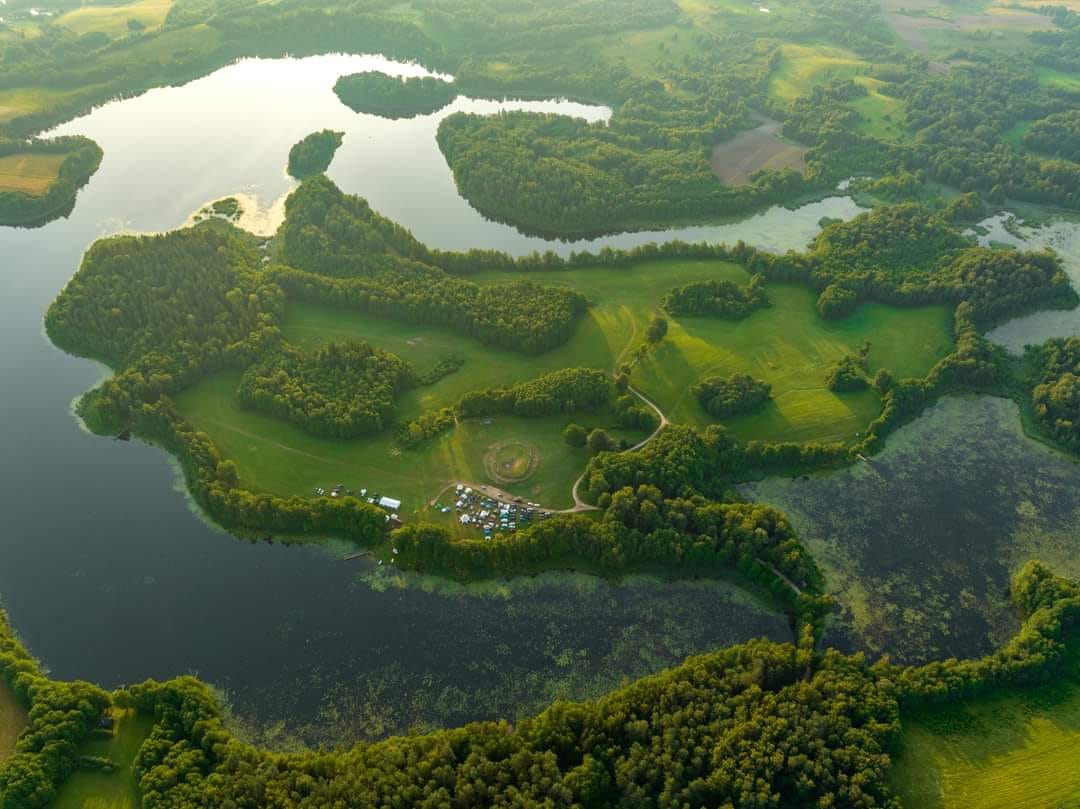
12,721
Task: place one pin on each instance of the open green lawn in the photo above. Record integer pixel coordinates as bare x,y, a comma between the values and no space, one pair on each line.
89,789
882,115
113,19
274,456
1058,78
787,344
804,66
1021,749
12,721
790,347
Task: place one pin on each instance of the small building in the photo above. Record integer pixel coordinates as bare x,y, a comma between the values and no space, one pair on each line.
390,503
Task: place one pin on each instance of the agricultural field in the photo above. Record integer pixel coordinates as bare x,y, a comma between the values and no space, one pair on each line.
12,721
926,25
734,161
29,173
91,789
24,101
1017,749
115,20
1059,79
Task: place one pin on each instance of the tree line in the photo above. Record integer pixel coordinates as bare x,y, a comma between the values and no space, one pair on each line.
1056,394
392,96
564,391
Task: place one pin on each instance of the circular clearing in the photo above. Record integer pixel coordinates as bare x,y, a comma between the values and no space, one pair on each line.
511,461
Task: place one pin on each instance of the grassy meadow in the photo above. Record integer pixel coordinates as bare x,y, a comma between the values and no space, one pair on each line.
1017,749
12,721
786,344
113,19
805,66
29,173
91,789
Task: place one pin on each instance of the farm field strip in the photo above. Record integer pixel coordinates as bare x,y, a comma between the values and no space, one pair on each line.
29,173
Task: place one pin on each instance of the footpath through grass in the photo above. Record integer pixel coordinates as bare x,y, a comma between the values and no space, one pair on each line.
1019,749
92,789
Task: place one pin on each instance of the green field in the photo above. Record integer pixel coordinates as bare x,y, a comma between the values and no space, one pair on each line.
786,344
1060,79
12,721
113,20
805,66
90,789
882,115
1015,750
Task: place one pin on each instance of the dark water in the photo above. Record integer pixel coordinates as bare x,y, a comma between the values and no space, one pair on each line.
107,574
919,544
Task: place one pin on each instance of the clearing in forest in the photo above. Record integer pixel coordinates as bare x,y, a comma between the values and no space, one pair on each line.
29,172
12,721
786,344
802,67
1021,748
734,161
95,789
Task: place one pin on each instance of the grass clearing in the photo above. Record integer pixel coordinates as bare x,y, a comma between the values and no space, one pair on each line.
882,116
786,344
20,101
1058,78
91,789
113,20
802,67
1021,748
29,173
791,348
12,721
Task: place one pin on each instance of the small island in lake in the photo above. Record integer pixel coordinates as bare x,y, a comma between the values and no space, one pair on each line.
313,154
39,178
393,97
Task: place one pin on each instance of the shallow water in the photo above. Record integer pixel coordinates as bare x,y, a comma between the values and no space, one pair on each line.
919,544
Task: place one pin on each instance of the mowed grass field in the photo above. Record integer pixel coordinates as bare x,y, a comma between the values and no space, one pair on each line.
89,789
791,348
12,721
29,173
1017,750
113,20
786,344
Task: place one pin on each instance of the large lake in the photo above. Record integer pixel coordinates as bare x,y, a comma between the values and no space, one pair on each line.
109,575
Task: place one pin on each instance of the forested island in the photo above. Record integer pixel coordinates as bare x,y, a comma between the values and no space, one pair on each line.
40,178
393,97
313,154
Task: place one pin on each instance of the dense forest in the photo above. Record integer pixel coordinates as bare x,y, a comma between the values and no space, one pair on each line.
393,97
81,159
758,724
725,397
1056,395
723,299
313,154
340,390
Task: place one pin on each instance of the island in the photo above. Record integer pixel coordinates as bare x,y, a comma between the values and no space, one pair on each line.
394,97
314,153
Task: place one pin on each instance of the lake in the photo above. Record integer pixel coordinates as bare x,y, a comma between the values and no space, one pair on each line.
110,576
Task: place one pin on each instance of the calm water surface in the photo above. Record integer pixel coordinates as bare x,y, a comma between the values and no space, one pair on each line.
110,576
